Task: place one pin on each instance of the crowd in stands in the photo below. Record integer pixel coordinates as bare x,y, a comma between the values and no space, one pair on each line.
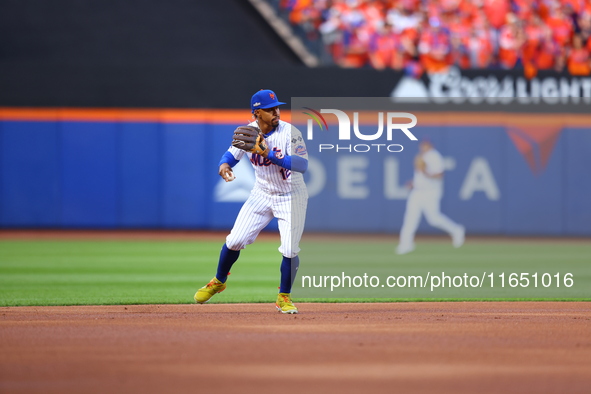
431,35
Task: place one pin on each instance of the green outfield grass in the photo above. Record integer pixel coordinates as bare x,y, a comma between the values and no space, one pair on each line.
165,272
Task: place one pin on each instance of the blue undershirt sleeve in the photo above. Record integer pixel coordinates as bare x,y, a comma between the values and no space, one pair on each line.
229,158
294,163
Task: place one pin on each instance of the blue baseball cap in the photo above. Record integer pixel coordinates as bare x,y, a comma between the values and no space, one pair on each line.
264,98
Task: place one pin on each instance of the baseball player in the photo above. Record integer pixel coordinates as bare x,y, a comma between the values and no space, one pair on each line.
278,154
425,198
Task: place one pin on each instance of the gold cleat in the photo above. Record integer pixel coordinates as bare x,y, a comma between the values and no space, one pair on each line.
205,293
284,304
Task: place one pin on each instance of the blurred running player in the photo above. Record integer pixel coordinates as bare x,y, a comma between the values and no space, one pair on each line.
425,198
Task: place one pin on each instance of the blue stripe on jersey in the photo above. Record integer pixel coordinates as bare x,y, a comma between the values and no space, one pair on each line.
228,157
295,163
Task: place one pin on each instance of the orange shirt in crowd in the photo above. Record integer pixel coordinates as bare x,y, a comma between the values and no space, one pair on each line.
546,55
460,40
534,35
435,50
299,6
480,44
406,48
524,9
460,28
562,30
496,10
509,47
578,62
355,51
382,49
467,8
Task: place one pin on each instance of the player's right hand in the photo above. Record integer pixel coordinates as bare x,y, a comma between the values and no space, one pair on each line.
226,172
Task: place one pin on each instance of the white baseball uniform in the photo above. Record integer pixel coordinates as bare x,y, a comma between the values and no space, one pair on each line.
425,199
277,192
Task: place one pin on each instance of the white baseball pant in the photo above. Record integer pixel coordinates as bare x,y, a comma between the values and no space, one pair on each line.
259,210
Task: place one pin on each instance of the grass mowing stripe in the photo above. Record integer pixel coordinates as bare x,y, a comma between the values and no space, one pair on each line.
136,272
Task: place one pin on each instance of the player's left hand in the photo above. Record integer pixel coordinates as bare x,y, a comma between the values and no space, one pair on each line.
250,139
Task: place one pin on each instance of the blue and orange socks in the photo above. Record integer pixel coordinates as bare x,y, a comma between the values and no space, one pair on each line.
227,258
289,270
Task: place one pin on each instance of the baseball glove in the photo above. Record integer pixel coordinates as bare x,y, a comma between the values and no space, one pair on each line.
249,139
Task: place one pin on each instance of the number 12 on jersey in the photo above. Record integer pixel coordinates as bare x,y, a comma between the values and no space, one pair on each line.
285,173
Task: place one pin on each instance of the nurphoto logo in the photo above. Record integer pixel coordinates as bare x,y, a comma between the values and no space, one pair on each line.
388,122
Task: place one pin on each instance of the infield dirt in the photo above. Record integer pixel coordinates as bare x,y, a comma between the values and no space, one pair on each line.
460,347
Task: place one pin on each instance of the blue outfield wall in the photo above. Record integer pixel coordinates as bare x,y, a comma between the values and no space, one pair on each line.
75,174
